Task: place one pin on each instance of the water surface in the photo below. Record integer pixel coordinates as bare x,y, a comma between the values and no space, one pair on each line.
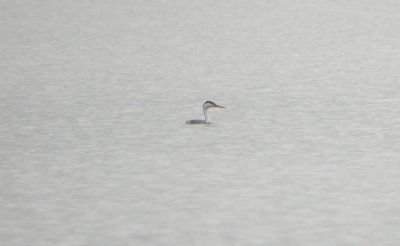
94,97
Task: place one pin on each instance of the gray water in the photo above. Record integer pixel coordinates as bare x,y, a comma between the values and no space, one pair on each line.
94,96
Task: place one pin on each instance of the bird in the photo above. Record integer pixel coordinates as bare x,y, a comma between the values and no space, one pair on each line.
206,106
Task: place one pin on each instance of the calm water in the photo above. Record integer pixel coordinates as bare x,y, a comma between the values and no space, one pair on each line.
95,151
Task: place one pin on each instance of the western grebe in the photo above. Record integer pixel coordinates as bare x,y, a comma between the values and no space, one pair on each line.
206,106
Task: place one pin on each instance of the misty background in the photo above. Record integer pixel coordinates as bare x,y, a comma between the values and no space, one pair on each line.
94,96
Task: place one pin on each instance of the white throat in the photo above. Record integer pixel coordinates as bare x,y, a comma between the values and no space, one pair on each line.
206,114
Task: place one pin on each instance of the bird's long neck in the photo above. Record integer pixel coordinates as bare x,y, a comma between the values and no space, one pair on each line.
205,115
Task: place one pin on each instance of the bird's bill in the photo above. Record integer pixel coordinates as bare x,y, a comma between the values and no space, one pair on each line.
217,106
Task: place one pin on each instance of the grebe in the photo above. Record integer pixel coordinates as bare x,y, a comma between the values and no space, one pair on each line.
206,106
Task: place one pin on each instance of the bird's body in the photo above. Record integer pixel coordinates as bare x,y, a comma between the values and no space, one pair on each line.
196,122
206,106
